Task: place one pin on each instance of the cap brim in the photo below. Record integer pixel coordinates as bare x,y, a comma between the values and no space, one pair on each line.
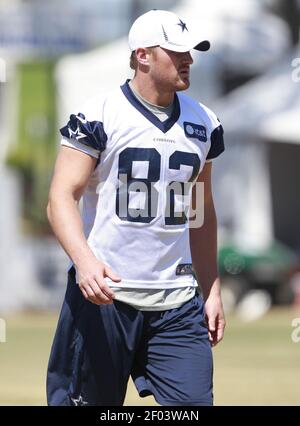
203,46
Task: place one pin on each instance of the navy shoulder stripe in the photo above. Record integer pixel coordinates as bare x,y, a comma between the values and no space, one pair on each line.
217,143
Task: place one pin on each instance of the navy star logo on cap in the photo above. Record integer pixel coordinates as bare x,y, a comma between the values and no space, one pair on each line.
182,25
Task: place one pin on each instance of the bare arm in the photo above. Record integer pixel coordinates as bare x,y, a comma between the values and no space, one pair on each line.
203,242
71,175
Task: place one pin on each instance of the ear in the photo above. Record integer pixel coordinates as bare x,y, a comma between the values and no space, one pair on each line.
142,55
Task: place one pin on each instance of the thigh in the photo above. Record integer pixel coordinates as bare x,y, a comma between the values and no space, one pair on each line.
92,352
178,359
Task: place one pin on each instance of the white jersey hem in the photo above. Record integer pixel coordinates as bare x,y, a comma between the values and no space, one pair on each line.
152,284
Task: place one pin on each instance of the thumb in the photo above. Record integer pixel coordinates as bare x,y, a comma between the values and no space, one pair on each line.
110,274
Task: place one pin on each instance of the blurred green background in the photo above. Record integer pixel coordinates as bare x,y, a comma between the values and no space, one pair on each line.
33,152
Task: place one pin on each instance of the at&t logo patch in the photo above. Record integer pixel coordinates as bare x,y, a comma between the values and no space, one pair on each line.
193,130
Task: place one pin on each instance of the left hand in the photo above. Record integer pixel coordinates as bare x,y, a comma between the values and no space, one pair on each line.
215,319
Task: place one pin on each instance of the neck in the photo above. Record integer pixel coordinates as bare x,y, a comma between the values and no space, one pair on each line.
152,93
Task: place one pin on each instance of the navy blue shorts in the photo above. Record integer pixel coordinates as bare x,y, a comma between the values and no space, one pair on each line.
97,348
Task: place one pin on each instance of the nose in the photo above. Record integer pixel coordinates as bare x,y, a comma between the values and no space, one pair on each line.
188,58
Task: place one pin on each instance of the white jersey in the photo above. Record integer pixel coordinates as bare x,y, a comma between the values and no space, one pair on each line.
134,217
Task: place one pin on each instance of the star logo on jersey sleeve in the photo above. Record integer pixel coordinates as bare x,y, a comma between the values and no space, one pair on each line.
182,25
77,134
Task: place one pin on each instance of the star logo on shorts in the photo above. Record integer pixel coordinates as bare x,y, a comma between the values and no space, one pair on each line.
182,25
79,402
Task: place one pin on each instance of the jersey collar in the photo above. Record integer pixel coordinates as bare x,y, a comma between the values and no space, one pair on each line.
164,126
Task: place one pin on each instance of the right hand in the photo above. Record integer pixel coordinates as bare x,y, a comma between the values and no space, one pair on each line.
90,278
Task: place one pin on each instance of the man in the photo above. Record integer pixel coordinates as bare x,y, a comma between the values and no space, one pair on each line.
131,306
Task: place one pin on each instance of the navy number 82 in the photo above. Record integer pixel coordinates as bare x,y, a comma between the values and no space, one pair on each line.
147,184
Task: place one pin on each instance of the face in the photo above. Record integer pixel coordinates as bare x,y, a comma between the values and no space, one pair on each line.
170,70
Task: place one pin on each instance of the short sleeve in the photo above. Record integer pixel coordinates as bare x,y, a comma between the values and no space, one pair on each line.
216,133
81,131
71,143
217,143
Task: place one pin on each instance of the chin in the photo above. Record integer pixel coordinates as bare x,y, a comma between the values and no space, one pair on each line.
183,85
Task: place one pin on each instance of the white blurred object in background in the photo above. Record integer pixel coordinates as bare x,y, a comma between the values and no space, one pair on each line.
256,179
254,305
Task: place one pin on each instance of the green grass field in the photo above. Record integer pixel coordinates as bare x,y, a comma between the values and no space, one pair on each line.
256,364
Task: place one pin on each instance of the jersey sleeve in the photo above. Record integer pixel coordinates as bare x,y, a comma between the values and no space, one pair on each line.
216,135
73,143
217,143
85,131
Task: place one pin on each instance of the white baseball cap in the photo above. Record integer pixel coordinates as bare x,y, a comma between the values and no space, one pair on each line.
164,29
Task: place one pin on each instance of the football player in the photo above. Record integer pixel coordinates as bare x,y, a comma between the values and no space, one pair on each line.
132,307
